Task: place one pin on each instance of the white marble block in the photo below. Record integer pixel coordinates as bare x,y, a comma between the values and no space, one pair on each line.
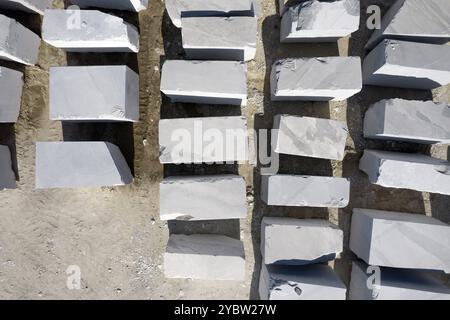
400,240
33,6
94,93
209,82
7,175
203,140
17,43
289,241
406,64
79,165
305,191
204,257
406,171
128,5
95,31
193,198
316,79
11,83
424,122
315,282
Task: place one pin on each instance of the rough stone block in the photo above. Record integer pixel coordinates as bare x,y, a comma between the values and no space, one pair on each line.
305,191
80,164
290,241
105,93
11,83
425,122
128,5
400,240
310,137
204,257
97,32
316,79
203,198
33,6
406,171
7,175
210,82
406,64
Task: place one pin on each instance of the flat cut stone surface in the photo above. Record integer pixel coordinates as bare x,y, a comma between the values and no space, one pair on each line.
400,240
203,198
128,5
310,137
92,93
290,241
407,120
316,79
11,83
305,191
7,175
204,257
98,32
33,6
406,171
80,164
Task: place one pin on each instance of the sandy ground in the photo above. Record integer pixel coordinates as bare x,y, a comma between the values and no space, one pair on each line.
114,234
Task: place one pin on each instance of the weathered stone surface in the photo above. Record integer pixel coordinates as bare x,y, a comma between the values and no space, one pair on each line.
203,140
407,120
210,82
204,257
406,171
203,198
17,43
286,4
129,5
305,191
97,32
33,6
290,241
11,83
406,64
106,93
315,21
7,175
400,240
310,137
316,79
315,282
80,164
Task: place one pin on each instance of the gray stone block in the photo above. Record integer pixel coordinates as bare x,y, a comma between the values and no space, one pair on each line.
204,257
400,240
406,171
94,93
7,175
289,241
305,191
310,137
79,165
284,5
33,6
195,198
128,5
210,82
11,83
425,122
406,64
316,79
97,32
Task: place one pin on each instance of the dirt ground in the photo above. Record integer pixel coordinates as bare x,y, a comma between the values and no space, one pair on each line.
114,234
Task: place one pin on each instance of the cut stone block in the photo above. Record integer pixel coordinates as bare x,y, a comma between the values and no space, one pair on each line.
94,93
425,122
310,137
316,79
405,64
97,32
204,257
231,38
406,171
284,5
203,198
415,20
128,5
33,6
210,82
7,175
315,21
305,191
80,164
11,83
396,284
290,241
17,43
400,240
203,140
315,282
